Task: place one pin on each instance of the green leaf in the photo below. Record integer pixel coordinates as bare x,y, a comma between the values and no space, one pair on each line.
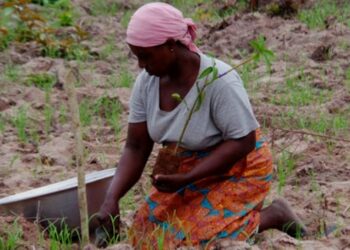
215,73
201,95
261,51
176,96
200,101
205,72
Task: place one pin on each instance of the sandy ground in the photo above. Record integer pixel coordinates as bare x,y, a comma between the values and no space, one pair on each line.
318,187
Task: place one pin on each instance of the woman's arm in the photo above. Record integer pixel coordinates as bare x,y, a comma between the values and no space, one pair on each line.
217,163
132,162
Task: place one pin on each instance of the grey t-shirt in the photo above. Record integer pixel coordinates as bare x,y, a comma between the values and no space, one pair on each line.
225,112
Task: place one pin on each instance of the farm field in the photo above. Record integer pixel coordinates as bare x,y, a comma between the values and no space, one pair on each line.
302,101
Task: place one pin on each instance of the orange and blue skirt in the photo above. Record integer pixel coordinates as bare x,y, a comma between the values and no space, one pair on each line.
210,209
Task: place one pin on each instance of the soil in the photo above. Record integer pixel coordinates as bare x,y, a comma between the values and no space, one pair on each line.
318,188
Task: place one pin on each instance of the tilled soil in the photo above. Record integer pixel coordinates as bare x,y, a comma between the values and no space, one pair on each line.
318,187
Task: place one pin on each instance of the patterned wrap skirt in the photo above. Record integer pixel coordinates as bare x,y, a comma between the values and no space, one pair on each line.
207,210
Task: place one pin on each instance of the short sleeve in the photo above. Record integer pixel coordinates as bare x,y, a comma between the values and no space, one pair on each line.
231,109
137,103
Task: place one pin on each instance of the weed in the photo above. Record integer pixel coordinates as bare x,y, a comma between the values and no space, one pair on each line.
125,79
316,17
128,203
49,115
29,25
61,238
11,73
43,81
20,121
111,110
108,236
347,79
62,117
297,91
285,166
85,112
126,18
13,235
2,124
104,8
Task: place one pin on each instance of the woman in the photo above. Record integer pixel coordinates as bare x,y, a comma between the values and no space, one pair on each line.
225,166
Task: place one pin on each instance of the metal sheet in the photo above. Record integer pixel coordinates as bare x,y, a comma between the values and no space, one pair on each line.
59,201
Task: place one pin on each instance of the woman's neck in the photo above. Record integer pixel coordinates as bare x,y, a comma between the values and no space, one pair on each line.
186,67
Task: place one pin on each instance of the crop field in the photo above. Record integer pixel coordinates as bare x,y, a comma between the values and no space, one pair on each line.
301,100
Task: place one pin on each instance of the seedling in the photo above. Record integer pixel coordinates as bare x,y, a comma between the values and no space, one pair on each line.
2,124
20,121
29,25
61,238
210,75
10,241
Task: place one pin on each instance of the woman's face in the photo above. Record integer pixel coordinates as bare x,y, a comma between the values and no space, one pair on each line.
155,60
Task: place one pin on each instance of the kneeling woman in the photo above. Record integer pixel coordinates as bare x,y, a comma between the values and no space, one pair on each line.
225,166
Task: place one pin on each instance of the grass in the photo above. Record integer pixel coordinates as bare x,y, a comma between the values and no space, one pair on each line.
297,91
347,79
204,10
13,234
2,124
316,16
11,73
104,8
285,166
20,121
60,239
44,81
104,108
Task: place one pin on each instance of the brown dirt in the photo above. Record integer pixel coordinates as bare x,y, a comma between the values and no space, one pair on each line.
318,188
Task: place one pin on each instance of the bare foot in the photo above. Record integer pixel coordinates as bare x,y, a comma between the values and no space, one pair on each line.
279,215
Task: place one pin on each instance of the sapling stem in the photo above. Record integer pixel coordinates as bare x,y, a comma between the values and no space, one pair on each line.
200,94
70,79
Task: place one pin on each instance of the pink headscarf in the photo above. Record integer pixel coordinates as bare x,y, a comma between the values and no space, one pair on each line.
154,23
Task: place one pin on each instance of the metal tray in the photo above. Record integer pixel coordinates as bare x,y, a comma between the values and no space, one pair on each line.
58,202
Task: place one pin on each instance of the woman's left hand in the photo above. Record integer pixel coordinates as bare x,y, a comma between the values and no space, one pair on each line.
170,183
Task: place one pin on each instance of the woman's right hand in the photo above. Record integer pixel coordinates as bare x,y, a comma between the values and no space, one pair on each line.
109,222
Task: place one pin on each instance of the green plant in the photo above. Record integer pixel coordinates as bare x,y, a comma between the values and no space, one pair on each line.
11,72
103,8
43,81
65,18
62,117
85,112
285,166
60,237
347,79
20,121
316,16
125,79
211,74
6,33
29,25
110,110
128,203
13,234
126,18
2,124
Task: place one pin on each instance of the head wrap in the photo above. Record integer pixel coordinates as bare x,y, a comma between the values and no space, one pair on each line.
154,23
